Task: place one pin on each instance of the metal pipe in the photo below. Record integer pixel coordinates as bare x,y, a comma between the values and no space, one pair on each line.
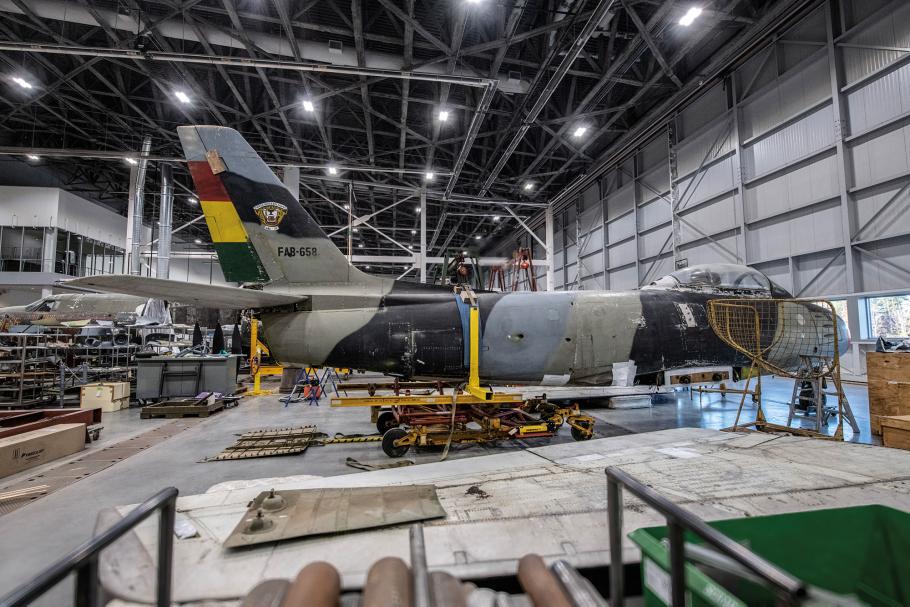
165,219
787,587
614,525
419,567
277,64
579,589
134,211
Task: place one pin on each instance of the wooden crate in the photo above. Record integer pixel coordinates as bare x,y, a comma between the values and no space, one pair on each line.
889,386
896,431
174,409
111,396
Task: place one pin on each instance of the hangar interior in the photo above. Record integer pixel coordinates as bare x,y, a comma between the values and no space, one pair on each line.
454,302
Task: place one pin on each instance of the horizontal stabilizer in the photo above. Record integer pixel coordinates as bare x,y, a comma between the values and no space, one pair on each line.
208,296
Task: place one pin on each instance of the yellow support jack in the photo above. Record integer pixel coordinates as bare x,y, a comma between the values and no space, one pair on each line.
473,386
257,351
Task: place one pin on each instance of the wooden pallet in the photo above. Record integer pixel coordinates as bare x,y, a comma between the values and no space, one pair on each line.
174,409
269,443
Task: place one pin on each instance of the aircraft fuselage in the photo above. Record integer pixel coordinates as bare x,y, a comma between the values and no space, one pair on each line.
568,337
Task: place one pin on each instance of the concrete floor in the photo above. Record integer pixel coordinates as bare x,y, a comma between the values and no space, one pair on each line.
45,529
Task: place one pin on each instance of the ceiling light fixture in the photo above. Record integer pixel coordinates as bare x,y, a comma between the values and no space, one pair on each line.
193,200
356,230
416,209
33,157
366,267
430,175
308,105
496,217
347,207
182,97
528,186
131,161
22,82
333,170
690,16
443,115
413,232
580,131
198,241
478,237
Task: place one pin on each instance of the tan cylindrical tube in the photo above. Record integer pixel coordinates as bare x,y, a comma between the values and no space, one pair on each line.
539,582
317,585
446,590
388,584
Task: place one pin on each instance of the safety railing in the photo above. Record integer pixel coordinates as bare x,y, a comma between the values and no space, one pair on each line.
83,561
789,590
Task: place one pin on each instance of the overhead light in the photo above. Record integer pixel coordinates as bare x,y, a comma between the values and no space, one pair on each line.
22,82
359,245
131,161
464,252
416,209
579,131
430,175
333,170
496,217
33,157
182,97
443,115
690,16
356,230
308,105
347,207
478,237
366,267
413,232
410,246
528,186
198,241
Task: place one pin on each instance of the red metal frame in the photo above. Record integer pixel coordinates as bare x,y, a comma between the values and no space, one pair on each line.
17,421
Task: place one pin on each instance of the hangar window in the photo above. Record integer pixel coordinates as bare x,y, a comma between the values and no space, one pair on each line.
889,316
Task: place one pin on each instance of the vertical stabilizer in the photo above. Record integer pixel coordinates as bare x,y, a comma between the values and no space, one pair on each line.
260,231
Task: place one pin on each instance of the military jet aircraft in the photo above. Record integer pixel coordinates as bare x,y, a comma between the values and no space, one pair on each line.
79,309
318,309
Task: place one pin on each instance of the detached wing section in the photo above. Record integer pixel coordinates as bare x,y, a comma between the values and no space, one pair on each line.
209,296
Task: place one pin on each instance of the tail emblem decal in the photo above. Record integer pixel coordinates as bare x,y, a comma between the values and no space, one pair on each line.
270,214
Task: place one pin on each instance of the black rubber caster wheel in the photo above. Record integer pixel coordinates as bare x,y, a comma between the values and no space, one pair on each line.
388,443
386,422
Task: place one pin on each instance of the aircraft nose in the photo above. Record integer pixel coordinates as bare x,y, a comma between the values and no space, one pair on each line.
843,336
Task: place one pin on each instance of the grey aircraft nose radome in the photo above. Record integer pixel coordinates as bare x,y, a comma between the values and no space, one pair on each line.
317,309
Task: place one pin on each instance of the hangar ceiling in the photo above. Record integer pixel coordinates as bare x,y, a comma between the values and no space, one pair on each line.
570,77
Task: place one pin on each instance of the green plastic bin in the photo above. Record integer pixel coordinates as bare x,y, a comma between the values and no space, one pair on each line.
860,552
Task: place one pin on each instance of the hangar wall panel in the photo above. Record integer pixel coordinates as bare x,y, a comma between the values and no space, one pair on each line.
799,164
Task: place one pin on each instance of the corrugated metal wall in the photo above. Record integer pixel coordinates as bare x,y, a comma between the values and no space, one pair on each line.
793,165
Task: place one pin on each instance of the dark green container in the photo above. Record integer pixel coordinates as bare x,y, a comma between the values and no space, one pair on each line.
861,552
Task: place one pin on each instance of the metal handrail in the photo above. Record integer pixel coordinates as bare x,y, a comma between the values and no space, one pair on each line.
789,589
84,559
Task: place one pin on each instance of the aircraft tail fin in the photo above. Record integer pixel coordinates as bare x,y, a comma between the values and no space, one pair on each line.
260,232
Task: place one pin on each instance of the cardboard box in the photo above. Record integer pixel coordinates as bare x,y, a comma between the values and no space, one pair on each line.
896,431
109,396
37,447
889,386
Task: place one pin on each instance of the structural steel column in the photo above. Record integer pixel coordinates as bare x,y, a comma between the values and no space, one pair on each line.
48,255
135,207
840,131
550,238
165,221
423,235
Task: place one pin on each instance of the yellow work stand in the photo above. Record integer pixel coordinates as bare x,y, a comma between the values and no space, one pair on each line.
257,351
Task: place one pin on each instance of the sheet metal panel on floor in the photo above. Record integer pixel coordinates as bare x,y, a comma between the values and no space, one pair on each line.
548,500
